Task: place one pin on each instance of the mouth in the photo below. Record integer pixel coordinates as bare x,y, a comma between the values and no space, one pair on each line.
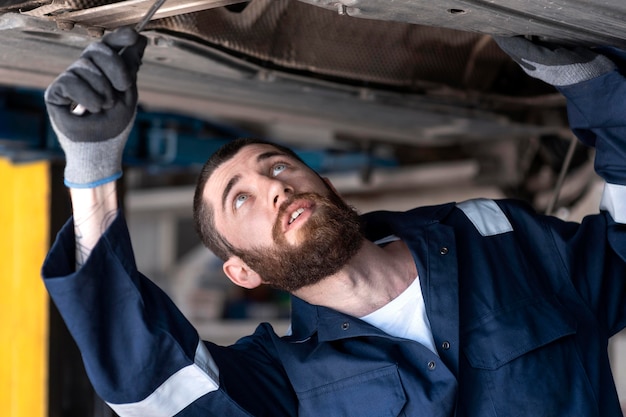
296,213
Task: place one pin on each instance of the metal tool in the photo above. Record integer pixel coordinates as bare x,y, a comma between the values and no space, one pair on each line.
78,109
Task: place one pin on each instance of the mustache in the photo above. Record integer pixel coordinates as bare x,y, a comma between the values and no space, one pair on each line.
331,199
282,209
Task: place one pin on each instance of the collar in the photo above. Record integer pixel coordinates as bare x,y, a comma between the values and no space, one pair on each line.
379,224
326,323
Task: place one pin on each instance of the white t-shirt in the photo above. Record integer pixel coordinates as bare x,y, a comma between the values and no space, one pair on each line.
405,315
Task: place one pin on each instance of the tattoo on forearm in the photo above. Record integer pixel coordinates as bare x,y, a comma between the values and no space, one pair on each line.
82,252
89,225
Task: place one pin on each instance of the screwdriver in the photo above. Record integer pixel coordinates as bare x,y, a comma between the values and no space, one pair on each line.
79,109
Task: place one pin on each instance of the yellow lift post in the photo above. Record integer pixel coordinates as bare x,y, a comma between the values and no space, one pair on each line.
24,228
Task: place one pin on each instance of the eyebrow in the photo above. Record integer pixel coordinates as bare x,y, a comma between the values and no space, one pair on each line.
269,154
234,180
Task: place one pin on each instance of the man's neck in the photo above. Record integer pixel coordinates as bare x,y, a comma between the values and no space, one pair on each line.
373,277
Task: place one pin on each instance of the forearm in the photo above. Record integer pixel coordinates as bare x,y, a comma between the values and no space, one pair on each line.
596,113
94,209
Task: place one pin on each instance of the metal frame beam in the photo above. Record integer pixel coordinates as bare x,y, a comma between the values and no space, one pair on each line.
111,16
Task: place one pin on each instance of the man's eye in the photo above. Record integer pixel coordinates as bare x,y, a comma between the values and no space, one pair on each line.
278,168
239,200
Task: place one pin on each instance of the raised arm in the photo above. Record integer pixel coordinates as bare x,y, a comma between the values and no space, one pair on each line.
142,356
595,90
105,84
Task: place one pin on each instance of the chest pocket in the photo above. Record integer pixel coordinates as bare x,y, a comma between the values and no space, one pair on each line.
376,393
507,336
526,359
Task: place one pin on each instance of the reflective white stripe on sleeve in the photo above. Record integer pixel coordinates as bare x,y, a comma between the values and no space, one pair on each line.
614,201
178,391
487,216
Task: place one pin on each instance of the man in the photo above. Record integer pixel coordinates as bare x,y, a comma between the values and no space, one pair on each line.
481,308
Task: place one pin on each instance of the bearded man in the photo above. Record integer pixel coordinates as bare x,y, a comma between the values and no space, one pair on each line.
481,308
303,229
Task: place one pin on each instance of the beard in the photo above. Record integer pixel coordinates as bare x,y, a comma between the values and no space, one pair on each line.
328,240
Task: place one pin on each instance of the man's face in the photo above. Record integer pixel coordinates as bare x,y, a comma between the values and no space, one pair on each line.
282,219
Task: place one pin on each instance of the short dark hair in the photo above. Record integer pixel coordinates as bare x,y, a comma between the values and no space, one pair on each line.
203,217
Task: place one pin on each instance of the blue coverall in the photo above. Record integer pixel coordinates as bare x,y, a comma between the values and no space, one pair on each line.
521,308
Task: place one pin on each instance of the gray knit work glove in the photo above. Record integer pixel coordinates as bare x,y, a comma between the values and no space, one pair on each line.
553,64
105,84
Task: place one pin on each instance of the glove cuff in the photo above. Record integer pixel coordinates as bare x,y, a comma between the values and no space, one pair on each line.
94,184
569,74
91,164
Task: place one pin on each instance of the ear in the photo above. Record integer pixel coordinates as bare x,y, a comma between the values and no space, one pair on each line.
241,274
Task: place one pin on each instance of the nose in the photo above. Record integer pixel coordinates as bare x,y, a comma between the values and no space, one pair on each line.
278,192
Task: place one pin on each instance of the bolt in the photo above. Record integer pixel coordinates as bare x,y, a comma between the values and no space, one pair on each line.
342,9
